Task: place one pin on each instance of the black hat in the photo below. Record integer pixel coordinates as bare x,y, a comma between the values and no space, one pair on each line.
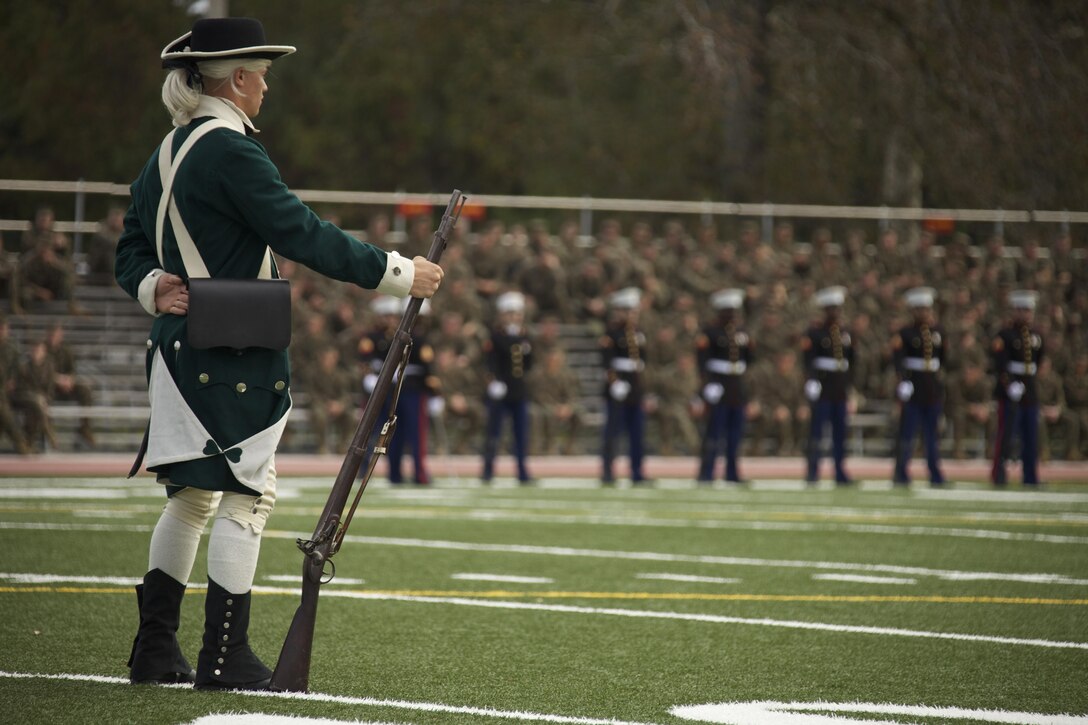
215,38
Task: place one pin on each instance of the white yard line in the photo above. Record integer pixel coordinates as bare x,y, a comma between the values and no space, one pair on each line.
953,575
66,579
688,578
706,618
468,576
861,579
949,575
802,713
297,578
346,700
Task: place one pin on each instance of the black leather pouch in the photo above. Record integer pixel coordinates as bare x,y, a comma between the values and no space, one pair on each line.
239,313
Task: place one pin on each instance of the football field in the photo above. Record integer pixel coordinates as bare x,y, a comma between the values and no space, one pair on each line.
568,603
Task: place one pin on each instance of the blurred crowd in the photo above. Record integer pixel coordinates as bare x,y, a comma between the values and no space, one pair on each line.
568,280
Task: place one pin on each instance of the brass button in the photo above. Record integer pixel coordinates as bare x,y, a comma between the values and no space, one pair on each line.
240,387
396,271
203,377
220,660
280,385
177,345
230,602
226,625
150,344
226,637
218,672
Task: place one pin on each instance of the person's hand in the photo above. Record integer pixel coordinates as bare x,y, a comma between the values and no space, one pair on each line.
619,389
712,392
427,278
813,390
905,390
1015,391
171,295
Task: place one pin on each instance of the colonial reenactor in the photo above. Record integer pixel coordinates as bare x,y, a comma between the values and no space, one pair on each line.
217,413
828,352
420,386
918,351
623,349
1016,352
509,357
724,352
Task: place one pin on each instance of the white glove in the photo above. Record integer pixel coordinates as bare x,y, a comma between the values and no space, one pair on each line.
619,390
813,389
496,390
1015,391
369,382
435,406
713,392
905,390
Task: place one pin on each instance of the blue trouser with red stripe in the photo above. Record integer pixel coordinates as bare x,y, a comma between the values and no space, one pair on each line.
1016,420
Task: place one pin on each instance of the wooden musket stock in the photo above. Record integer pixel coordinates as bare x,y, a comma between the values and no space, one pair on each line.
293,668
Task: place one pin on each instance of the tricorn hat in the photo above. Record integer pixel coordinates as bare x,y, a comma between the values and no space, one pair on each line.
219,38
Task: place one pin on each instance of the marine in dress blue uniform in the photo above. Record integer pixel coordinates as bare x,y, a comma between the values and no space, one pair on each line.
724,353
509,357
828,354
419,388
623,350
1016,352
919,352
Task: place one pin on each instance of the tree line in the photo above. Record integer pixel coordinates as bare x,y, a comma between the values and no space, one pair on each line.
942,103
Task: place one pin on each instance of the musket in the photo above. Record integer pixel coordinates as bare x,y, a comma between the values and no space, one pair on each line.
293,668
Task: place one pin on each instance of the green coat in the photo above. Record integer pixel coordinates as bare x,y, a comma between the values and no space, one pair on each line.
234,204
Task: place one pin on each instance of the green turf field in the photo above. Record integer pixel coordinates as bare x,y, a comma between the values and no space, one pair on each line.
566,603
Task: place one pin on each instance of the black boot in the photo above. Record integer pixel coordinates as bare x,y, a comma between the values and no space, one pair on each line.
226,662
156,657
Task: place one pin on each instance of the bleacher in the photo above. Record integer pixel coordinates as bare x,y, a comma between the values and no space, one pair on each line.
109,342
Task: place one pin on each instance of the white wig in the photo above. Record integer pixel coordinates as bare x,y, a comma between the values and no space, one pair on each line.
182,89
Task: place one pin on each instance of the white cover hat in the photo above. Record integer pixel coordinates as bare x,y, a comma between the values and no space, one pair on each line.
920,297
386,305
831,296
1023,299
510,302
627,298
727,299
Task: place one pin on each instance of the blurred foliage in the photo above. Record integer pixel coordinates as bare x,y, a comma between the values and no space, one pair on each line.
955,103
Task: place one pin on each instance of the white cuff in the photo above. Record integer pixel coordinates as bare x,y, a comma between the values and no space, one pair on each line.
399,275
146,292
